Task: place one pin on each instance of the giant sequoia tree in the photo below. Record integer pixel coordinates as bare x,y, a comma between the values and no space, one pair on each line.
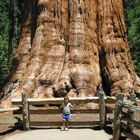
72,47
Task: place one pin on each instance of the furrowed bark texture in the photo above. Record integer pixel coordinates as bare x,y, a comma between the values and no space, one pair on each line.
115,60
72,47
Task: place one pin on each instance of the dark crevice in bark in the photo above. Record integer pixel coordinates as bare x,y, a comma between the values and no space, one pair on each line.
35,13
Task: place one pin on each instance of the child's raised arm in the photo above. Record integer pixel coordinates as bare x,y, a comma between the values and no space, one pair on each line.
71,106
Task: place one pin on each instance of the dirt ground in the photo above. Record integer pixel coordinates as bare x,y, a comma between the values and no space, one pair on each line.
55,134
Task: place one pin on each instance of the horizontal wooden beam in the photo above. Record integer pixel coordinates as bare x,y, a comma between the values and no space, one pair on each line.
7,120
110,107
59,123
136,123
111,100
57,111
34,101
8,109
131,107
130,135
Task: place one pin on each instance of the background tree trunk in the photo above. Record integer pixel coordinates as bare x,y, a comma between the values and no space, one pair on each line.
115,60
72,47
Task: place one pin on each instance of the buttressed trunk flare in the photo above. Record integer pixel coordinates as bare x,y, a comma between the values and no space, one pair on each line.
72,47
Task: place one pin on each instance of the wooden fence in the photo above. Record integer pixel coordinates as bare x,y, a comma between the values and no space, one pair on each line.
122,122
27,111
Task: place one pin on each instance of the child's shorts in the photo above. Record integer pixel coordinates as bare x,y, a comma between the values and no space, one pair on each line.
66,116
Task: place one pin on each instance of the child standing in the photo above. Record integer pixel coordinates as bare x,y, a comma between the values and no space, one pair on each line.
66,115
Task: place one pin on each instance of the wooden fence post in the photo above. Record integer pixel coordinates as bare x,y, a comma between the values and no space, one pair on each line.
25,105
117,116
102,110
131,112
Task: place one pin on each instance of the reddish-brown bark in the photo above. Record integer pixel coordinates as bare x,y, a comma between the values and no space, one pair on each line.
72,47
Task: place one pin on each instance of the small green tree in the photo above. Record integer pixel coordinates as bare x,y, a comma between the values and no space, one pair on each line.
4,27
9,34
132,15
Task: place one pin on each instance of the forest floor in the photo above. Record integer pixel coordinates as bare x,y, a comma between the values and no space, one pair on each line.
13,132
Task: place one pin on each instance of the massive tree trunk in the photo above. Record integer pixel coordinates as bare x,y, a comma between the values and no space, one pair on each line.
115,60
72,47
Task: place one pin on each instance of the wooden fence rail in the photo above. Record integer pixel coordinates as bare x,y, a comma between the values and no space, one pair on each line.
119,126
9,109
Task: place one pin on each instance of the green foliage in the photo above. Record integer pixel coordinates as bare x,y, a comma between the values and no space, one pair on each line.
132,15
4,27
5,57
